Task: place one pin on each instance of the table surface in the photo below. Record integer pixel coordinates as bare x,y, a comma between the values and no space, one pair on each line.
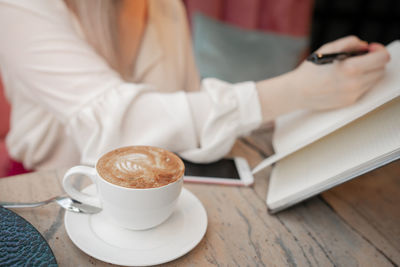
354,224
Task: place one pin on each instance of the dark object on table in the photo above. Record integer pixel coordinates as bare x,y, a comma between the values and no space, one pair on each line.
21,244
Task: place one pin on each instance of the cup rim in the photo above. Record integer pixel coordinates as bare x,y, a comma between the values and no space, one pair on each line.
140,189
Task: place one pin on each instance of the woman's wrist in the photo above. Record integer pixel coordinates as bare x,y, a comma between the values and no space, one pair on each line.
278,96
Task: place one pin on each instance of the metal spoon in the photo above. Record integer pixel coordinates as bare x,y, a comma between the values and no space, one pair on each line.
65,202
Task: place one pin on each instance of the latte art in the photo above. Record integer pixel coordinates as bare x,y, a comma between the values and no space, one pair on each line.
129,163
140,167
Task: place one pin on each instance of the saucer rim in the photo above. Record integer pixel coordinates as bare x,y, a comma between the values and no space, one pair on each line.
203,225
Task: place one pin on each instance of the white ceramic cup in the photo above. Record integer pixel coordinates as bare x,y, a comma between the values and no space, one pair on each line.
132,208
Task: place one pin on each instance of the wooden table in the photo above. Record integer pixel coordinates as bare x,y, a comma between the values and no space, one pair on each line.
354,224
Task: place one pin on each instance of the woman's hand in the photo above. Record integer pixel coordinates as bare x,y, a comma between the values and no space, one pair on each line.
318,87
343,82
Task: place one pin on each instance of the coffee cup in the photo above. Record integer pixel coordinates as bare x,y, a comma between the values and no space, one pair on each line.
137,186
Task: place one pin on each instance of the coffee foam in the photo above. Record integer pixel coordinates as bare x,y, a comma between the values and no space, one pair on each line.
140,167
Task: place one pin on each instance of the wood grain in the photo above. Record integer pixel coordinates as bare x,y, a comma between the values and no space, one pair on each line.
370,205
351,225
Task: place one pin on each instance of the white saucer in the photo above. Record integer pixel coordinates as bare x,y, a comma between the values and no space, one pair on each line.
166,242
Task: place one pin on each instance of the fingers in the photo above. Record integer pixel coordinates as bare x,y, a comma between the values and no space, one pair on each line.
376,59
344,44
375,46
345,81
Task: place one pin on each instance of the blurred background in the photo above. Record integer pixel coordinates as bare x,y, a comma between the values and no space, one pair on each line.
371,20
239,40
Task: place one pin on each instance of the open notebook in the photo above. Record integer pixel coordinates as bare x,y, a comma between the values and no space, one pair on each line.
315,151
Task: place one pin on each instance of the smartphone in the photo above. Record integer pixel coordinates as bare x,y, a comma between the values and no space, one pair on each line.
233,171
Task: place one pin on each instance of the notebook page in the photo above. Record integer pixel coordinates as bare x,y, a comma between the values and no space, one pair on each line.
339,156
297,130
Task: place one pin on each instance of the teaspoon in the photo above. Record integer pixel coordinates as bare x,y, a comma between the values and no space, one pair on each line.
65,202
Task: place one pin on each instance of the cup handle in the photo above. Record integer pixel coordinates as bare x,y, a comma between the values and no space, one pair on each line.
73,192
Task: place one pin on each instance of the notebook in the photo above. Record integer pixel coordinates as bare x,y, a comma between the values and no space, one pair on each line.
315,151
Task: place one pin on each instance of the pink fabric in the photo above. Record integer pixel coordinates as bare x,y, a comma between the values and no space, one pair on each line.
291,17
8,166
4,114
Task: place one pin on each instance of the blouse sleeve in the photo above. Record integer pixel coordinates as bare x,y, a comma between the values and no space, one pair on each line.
47,62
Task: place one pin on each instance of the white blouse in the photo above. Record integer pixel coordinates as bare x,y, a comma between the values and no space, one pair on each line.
69,106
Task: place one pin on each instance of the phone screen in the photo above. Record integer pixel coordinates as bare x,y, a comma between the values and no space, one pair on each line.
224,168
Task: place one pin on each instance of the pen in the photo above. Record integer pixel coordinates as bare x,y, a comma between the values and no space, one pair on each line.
319,59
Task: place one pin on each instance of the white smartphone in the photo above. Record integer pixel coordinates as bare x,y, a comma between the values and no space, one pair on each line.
233,171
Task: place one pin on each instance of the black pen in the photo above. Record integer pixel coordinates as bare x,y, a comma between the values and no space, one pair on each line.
319,59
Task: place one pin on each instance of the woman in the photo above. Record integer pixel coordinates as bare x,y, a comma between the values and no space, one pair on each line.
85,77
